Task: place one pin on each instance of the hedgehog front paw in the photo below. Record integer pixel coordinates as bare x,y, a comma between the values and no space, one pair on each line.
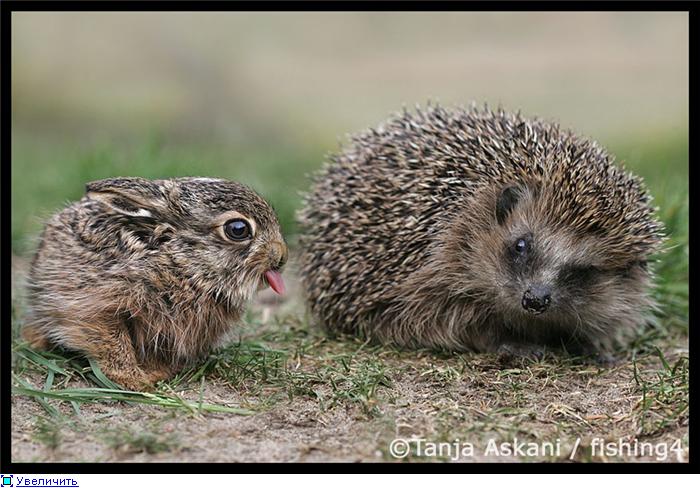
606,360
591,354
509,352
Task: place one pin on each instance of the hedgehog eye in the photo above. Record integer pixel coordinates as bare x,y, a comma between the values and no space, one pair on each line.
521,246
237,229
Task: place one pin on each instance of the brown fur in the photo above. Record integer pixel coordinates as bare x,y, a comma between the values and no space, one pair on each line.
139,276
402,240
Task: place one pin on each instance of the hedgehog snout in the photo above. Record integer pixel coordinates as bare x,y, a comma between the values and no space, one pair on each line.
537,298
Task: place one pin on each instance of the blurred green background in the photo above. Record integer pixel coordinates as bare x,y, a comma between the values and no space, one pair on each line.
264,97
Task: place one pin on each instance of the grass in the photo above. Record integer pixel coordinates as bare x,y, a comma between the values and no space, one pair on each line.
47,432
283,366
664,395
71,368
272,367
126,441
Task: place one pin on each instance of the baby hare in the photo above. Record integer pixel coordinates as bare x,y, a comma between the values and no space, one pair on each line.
145,276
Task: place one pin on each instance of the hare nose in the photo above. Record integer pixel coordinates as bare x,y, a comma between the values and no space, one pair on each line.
281,253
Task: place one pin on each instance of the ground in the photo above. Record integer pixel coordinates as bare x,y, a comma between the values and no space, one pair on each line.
298,395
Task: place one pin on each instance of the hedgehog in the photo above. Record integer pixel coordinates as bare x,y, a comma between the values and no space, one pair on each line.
473,229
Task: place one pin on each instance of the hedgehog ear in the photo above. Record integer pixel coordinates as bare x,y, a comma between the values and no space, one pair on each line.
136,197
507,201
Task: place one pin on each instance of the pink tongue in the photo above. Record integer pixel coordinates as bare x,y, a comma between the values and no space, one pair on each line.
275,281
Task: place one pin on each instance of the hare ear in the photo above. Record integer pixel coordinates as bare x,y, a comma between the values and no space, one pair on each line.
137,197
507,201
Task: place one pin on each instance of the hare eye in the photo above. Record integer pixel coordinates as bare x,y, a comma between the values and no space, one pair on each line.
237,229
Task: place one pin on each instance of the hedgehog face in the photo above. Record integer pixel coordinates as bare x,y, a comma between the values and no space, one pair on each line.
546,274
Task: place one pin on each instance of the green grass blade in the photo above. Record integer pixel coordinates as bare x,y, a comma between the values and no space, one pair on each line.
40,360
50,409
106,394
102,380
49,380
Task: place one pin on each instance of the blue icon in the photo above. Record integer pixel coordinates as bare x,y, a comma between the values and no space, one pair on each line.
7,480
